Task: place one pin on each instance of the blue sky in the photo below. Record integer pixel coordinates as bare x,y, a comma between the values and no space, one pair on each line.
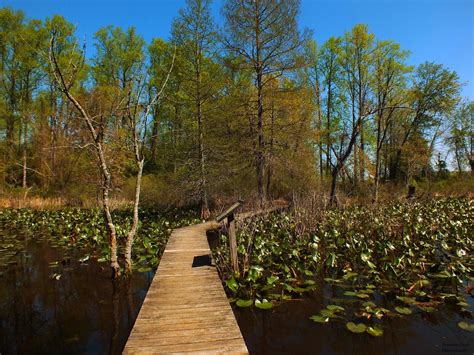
441,31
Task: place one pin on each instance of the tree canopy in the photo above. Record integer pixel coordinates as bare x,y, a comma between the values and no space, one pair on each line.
255,109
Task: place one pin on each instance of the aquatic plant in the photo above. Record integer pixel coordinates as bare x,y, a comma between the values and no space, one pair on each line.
417,255
85,229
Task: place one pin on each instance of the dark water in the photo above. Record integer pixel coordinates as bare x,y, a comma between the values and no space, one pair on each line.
83,311
287,329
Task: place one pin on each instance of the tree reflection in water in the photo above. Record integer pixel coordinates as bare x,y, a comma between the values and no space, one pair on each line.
82,311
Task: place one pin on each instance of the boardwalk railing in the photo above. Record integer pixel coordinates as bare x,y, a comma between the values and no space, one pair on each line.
229,216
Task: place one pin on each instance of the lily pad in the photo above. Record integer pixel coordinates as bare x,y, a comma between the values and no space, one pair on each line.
319,319
466,326
334,307
375,331
356,328
403,310
350,293
263,304
328,313
407,300
244,303
369,304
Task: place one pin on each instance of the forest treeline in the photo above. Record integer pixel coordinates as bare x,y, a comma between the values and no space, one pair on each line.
255,108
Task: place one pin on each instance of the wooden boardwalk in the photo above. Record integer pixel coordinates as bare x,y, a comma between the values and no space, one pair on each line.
186,308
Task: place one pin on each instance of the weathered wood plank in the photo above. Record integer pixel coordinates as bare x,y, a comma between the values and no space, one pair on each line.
186,309
217,347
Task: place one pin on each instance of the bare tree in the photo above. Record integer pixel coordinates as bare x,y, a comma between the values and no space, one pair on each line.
65,79
139,107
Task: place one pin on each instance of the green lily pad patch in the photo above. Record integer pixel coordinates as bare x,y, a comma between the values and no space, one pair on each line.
356,328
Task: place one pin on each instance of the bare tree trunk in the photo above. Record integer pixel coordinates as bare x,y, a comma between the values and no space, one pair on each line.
107,184
133,230
375,196
270,157
202,157
202,160
320,148
362,153
332,194
458,158
378,149
24,185
470,151
24,172
341,161
328,126
138,144
260,158
154,137
320,128
354,124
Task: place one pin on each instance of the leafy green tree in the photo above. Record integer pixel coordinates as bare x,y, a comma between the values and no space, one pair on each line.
194,32
11,45
433,94
313,77
119,56
460,137
389,87
21,71
161,54
331,101
356,61
264,35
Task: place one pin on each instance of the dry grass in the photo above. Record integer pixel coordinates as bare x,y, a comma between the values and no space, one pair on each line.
57,202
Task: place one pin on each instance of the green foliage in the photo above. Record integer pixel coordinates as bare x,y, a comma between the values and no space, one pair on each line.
461,132
356,328
244,303
85,229
206,133
466,326
119,56
417,251
375,331
263,304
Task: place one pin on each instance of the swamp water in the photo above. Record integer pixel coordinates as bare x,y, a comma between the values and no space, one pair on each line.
52,303
54,300
288,329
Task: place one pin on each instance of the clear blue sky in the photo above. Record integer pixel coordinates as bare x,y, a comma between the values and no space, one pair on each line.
433,30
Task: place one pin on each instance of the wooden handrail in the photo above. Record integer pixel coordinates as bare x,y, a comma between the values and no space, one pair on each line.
229,211
229,214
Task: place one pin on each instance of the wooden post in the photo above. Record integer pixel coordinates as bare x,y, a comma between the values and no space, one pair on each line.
232,243
230,222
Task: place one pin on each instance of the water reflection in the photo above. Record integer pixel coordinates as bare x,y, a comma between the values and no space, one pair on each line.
84,311
287,329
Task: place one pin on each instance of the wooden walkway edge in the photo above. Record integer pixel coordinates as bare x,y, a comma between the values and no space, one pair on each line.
186,308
